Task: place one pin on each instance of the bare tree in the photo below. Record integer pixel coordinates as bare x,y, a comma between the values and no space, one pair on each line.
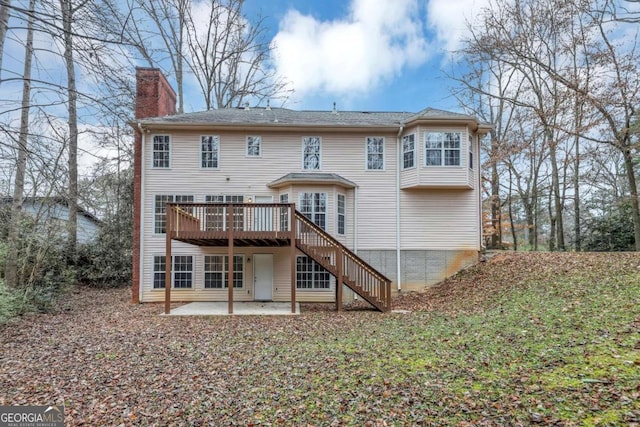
11,267
486,92
228,56
5,5
68,10
581,81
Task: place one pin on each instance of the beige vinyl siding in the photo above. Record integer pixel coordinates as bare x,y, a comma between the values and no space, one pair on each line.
439,219
237,174
346,156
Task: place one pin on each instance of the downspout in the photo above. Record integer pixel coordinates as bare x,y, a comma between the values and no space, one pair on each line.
141,231
399,163
355,220
355,227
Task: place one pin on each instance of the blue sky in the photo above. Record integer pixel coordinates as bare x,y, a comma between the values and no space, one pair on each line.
372,55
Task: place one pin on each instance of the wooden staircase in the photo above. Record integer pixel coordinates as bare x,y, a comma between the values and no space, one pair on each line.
270,224
343,264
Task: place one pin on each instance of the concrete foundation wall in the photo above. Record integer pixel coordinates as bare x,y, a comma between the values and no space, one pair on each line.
419,268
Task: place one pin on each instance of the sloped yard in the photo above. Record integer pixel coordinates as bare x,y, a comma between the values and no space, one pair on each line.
523,339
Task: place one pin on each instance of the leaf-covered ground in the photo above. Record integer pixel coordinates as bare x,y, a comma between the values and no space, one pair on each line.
523,339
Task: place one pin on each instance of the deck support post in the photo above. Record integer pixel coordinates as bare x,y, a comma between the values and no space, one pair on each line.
292,222
230,254
167,259
339,277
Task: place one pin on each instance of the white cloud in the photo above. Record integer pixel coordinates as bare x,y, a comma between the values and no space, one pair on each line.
375,42
449,20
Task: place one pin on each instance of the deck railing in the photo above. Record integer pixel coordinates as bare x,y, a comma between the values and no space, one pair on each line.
206,220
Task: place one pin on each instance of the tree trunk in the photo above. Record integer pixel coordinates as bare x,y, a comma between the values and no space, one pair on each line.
513,228
72,197
633,189
13,240
4,22
576,196
496,223
552,224
556,239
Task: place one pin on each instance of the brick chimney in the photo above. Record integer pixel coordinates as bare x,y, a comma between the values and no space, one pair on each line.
154,95
154,98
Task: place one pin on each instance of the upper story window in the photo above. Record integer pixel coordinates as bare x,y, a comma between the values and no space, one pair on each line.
442,148
408,151
375,153
209,151
284,212
311,153
341,207
254,146
470,152
161,151
314,207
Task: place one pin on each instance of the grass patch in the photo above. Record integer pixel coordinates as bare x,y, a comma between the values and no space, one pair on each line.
561,348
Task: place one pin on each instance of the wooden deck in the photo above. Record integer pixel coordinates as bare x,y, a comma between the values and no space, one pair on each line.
272,224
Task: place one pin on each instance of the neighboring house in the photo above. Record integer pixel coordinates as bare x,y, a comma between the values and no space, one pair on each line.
394,196
55,211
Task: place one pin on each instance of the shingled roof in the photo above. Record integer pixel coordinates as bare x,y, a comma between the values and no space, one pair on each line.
284,117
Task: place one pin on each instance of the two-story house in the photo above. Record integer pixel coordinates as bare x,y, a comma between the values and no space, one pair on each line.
282,203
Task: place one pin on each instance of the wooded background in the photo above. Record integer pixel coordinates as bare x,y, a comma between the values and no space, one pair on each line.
557,79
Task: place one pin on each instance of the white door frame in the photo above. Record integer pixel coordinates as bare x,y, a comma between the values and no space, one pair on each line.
263,277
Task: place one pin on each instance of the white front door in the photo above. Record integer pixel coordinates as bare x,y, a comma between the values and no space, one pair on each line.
263,277
263,217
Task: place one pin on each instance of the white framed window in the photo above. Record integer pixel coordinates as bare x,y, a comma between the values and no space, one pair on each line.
216,271
311,153
471,148
442,148
182,271
375,153
314,207
160,209
310,275
284,212
209,151
408,151
254,146
159,272
161,151
341,213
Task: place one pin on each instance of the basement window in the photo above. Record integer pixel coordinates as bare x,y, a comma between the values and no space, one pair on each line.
310,275
182,272
216,271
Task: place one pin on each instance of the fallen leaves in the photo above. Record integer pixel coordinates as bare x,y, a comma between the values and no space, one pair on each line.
521,339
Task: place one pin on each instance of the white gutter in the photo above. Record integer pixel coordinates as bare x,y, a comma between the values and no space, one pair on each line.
141,231
399,163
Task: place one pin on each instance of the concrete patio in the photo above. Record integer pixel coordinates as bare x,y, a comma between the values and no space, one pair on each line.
249,308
